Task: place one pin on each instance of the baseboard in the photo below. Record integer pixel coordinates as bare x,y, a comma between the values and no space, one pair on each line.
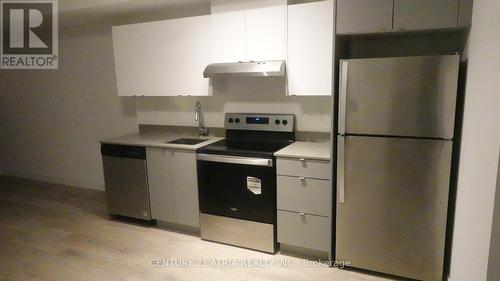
300,252
185,229
57,180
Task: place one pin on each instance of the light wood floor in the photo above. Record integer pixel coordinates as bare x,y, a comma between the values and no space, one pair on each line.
53,232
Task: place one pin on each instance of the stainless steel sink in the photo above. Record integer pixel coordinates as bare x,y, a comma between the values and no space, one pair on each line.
187,141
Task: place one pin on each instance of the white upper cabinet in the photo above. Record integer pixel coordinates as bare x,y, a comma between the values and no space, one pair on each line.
364,16
163,58
310,48
227,31
256,34
425,14
265,31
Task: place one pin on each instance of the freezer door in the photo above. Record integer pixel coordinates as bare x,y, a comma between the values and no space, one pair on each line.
408,96
391,217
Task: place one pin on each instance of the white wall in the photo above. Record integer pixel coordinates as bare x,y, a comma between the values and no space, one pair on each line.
480,147
494,257
52,121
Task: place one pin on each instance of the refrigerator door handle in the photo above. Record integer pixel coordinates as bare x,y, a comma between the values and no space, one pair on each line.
343,96
340,168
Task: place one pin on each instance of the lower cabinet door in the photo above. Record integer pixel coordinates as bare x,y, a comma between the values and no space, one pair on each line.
185,188
304,230
160,187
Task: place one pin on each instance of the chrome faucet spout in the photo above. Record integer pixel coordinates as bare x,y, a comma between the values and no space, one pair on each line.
198,116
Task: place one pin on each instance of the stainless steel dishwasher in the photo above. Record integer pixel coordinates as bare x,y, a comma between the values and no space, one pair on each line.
126,180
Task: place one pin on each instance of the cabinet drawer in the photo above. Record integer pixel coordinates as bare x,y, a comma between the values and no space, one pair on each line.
311,196
306,231
303,168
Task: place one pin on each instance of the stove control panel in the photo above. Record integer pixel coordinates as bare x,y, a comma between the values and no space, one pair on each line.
260,122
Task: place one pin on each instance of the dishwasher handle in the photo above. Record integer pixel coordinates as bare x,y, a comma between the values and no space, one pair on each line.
123,151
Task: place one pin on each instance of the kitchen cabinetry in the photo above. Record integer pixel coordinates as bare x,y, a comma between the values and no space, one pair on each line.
304,204
160,187
367,16
425,14
465,13
257,34
185,187
173,186
364,16
310,48
163,58
227,31
265,31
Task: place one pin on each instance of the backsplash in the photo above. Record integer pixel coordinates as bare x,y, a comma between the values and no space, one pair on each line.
237,94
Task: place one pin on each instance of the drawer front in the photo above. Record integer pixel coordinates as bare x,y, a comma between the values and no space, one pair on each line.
304,168
306,231
299,194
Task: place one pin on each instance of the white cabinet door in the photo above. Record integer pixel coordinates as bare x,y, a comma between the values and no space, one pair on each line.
364,16
134,46
265,31
189,56
160,187
227,32
164,58
310,48
185,188
425,14
173,186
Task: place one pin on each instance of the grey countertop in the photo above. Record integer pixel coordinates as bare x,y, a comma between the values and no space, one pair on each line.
308,150
159,140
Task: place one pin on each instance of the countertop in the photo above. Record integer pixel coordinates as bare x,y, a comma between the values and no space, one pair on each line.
308,150
159,140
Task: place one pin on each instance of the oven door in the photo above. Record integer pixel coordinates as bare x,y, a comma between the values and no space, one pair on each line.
237,187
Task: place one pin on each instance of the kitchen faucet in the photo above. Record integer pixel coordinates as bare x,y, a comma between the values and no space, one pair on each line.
198,116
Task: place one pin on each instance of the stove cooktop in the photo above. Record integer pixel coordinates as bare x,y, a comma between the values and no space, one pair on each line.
243,148
254,135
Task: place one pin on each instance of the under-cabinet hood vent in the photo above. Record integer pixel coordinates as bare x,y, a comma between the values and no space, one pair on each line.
251,68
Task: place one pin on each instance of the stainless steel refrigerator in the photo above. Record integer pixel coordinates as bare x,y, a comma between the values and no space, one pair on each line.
395,137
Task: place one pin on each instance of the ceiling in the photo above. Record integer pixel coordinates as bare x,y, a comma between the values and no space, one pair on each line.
78,12
112,6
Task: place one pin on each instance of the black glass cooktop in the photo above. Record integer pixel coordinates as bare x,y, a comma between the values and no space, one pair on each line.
243,148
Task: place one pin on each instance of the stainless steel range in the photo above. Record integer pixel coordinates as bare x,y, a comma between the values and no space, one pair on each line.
237,180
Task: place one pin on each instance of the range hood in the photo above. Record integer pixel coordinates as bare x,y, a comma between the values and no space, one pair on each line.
251,68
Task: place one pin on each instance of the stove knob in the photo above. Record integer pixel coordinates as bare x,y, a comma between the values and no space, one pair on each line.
230,120
284,122
237,120
277,121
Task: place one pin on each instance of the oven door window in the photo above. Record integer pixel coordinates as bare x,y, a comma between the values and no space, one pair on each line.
238,191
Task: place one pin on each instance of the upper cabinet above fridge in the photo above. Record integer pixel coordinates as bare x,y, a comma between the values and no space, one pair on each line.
425,14
368,16
248,35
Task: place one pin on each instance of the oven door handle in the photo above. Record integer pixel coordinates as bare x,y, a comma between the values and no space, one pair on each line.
235,159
